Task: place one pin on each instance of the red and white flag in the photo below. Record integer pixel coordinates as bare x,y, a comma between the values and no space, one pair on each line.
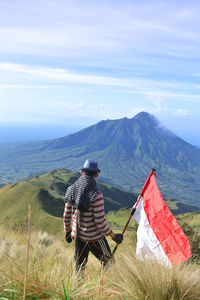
159,235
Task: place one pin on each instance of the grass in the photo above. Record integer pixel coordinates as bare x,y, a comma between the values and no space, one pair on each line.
192,219
147,280
51,266
51,273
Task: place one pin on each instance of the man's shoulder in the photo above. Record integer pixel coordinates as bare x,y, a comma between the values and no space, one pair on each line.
99,195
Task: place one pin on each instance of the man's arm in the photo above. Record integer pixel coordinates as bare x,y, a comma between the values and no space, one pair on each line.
67,217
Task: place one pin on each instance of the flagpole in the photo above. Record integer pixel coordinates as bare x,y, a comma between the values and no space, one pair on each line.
153,170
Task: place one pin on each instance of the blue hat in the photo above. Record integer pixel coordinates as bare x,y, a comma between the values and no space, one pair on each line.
90,165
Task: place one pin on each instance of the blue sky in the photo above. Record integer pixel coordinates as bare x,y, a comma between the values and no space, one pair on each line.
65,62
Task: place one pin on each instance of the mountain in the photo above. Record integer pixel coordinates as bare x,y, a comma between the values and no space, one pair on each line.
45,194
126,150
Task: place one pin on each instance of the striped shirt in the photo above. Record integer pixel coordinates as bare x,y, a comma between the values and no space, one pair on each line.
93,226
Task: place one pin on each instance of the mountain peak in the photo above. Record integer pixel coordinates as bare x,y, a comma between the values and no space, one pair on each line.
145,116
147,120
150,121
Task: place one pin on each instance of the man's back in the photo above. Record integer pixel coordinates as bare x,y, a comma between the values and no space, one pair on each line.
93,225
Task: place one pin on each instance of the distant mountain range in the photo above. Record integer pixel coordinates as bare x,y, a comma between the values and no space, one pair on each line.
126,150
45,194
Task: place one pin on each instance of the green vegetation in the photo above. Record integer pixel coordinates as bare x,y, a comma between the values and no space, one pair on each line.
191,219
45,194
190,224
178,207
126,150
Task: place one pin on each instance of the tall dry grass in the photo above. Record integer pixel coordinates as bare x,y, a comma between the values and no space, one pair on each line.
51,274
136,279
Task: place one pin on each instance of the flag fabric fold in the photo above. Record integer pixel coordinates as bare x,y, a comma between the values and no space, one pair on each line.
159,235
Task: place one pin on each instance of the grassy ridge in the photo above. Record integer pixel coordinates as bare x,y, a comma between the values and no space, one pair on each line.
46,193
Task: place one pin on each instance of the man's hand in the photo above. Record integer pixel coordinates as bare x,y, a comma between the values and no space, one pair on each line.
68,237
118,238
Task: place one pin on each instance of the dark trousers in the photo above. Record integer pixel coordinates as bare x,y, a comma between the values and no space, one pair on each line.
100,249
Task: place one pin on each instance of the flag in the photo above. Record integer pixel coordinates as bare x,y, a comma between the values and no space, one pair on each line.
159,235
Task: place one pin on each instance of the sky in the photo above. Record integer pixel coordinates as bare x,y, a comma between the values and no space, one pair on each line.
73,63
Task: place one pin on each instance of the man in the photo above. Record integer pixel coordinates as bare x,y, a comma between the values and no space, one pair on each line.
85,207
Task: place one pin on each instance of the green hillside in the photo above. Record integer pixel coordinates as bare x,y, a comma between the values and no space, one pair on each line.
190,219
46,193
119,219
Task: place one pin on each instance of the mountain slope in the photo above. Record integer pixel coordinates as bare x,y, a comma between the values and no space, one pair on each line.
46,193
126,150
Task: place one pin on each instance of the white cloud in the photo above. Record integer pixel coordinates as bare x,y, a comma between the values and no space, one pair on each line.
136,110
96,106
64,75
139,85
160,104
181,112
20,86
67,104
159,95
